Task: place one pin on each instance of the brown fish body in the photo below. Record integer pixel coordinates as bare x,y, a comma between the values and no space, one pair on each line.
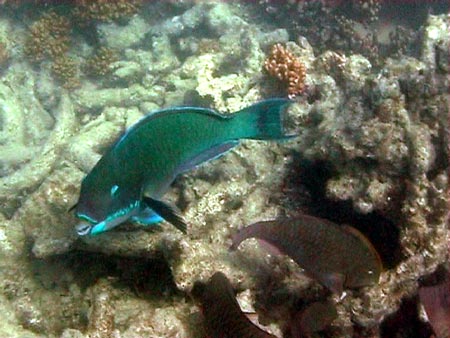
222,313
436,300
336,256
314,318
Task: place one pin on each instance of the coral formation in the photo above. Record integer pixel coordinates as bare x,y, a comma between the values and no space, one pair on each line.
359,26
283,65
100,63
49,37
104,10
4,54
65,70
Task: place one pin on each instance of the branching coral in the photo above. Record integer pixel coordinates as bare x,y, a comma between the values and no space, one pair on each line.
99,64
287,68
66,70
49,37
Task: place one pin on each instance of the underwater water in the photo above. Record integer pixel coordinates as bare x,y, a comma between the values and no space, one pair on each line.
344,168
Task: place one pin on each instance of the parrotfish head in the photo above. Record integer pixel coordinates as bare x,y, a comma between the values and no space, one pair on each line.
103,206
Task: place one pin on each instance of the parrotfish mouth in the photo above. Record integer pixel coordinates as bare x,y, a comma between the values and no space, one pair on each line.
91,227
86,228
83,228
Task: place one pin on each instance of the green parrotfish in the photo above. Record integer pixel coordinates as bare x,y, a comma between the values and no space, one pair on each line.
222,314
130,179
336,256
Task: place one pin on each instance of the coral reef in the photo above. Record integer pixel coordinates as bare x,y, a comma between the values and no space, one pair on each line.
49,37
65,70
364,27
372,152
103,10
100,63
283,65
4,54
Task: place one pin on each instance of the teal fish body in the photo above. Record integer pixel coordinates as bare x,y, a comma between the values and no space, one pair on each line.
336,256
129,180
222,314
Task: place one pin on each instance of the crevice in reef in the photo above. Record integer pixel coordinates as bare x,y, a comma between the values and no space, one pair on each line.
144,276
304,189
405,322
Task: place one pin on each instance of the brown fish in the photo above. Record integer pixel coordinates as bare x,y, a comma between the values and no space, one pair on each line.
336,256
436,300
316,317
222,313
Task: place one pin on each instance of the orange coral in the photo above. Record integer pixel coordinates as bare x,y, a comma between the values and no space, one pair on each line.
287,68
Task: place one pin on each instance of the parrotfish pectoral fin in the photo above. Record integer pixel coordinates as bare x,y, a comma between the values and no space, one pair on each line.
263,120
334,282
147,217
169,213
211,153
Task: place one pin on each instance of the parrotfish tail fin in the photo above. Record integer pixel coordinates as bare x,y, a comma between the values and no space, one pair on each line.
262,121
168,212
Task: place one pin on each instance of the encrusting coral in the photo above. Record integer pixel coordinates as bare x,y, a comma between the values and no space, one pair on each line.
287,68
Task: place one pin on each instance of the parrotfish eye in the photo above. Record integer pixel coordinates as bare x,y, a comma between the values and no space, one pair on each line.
83,228
114,189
